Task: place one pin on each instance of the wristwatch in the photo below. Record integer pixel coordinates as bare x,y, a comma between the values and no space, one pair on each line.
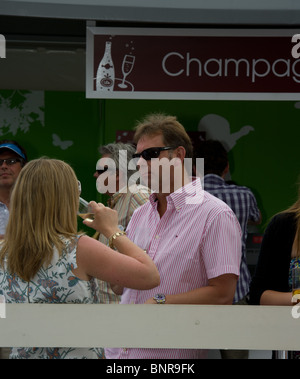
160,298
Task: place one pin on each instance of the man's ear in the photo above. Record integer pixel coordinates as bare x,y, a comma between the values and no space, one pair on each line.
226,170
180,153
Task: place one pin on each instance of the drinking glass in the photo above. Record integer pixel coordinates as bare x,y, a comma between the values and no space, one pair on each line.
84,210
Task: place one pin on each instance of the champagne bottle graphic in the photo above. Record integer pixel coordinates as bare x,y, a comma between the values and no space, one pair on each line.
106,72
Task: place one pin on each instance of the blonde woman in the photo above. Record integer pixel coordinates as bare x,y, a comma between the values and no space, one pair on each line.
280,252
44,260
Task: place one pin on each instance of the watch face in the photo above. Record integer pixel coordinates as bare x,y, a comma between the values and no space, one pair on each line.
160,298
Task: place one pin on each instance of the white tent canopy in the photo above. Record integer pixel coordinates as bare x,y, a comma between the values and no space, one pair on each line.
222,12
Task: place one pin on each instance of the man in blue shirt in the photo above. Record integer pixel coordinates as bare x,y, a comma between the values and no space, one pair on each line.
240,199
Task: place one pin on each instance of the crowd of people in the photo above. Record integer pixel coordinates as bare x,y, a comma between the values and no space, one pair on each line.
165,237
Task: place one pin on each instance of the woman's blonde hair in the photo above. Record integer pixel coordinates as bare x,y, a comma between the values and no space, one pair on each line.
43,208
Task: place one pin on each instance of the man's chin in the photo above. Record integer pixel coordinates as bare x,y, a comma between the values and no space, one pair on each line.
6,181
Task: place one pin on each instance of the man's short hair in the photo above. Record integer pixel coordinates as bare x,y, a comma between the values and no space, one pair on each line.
173,133
113,149
215,156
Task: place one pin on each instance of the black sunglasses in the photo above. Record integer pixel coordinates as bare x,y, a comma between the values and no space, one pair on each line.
152,152
10,161
102,170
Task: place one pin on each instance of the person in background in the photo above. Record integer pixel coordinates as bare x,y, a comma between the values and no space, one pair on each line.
123,197
279,254
192,237
13,157
44,260
243,203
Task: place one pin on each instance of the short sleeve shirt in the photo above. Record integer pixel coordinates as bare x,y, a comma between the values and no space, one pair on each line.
197,238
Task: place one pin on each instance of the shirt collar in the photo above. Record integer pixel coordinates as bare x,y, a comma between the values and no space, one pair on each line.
135,188
189,194
213,178
112,201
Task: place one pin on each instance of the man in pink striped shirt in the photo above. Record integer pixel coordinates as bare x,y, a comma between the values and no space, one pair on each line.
193,237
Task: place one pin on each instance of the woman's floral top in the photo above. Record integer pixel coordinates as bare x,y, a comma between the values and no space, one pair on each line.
295,262
53,284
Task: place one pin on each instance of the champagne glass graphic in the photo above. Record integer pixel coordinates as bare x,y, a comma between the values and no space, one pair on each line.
127,67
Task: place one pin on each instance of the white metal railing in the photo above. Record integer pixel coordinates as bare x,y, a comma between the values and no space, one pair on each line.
162,326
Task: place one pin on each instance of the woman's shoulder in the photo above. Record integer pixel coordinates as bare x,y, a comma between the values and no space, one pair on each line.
283,218
70,242
69,248
282,224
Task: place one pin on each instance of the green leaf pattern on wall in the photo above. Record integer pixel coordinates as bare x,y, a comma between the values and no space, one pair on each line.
19,109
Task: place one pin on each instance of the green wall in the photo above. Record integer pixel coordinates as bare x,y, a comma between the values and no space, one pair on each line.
266,159
68,115
33,117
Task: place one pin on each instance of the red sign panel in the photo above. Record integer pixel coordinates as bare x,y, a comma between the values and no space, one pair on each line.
189,64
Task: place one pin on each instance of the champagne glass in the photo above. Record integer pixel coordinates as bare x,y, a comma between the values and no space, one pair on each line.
127,67
84,210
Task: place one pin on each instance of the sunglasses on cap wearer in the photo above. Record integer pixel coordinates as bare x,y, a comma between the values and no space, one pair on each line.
152,152
10,161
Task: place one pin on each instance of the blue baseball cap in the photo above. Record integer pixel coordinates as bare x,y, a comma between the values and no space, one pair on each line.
13,148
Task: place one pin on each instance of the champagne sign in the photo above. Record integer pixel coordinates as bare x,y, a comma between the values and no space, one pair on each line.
192,64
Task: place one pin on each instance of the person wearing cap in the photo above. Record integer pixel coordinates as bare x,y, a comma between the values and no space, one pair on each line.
13,157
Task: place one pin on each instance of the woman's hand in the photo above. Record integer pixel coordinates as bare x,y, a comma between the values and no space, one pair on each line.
105,219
